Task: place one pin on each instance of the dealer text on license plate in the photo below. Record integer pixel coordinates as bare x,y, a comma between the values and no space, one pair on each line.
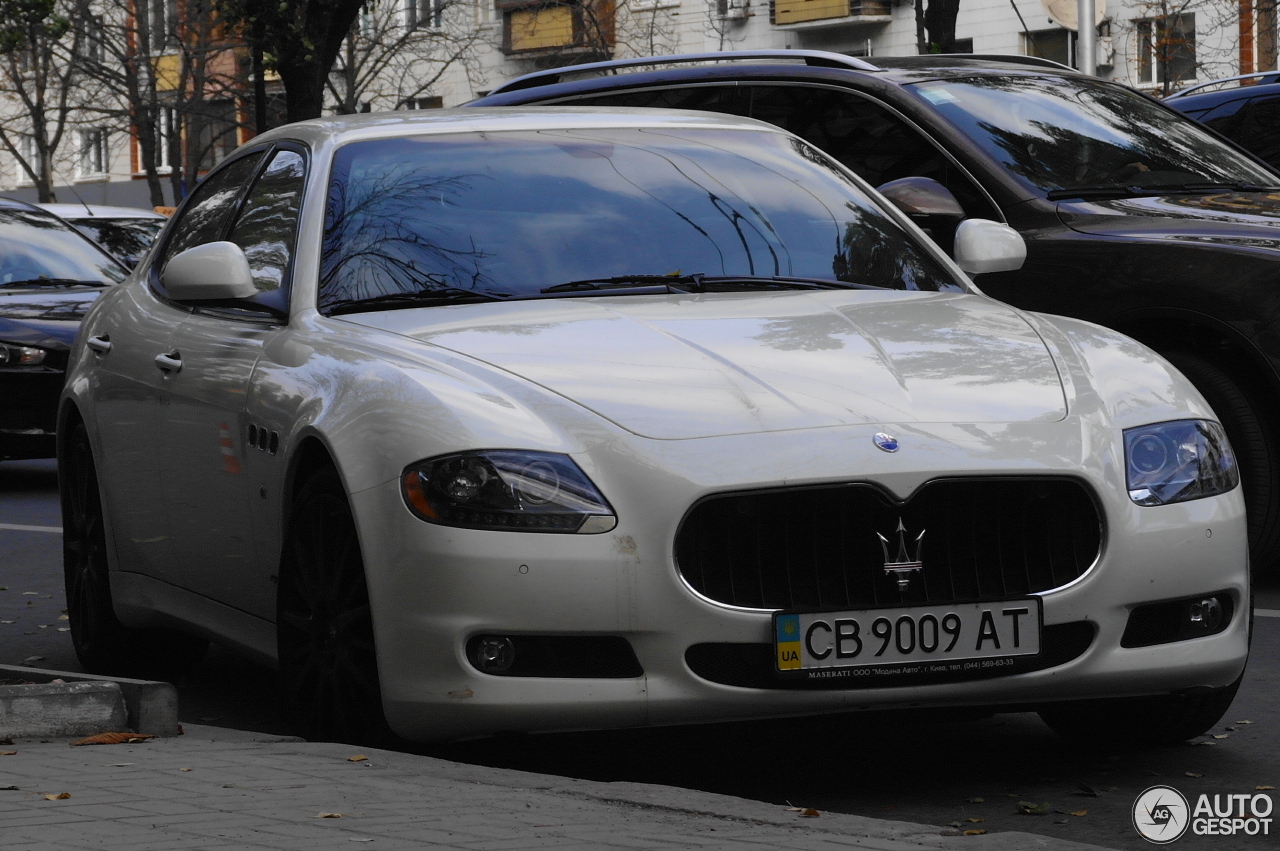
948,635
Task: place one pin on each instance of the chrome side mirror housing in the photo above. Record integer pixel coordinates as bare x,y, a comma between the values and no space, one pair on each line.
984,246
215,271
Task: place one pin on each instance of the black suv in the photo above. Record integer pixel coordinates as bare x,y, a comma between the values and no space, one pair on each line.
1134,216
1247,114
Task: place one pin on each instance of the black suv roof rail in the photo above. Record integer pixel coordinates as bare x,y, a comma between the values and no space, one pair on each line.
1256,75
1014,58
816,58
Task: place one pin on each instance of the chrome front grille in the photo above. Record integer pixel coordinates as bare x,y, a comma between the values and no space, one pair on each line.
822,547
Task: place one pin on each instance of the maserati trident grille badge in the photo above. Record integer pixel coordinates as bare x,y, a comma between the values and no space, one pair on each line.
887,442
903,567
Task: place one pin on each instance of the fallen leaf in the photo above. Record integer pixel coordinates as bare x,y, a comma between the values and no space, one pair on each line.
63,618
974,820
1193,774
1204,743
329,815
1078,813
1221,736
955,824
8,753
977,800
31,593
357,758
184,769
361,839
1030,809
1086,789
42,626
6,621
1244,722
462,694
975,832
64,629
60,796
113,739
1264,788
31,659
807,812
1229,729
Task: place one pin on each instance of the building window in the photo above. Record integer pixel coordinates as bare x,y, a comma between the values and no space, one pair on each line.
429,102
30,155
424,13
92,158
162,18
1167,49
484,12
1058,45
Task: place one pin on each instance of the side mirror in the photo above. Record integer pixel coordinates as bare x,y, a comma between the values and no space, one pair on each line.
215,271
924,199
985,246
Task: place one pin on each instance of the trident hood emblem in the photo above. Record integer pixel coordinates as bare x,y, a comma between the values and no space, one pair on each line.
903,567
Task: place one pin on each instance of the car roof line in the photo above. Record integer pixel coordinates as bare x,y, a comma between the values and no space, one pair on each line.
1218,82
815,58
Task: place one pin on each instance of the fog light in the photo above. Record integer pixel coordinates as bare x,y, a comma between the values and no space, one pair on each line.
494,654
1205,615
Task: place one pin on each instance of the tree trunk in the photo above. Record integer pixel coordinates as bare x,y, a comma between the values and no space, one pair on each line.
940,21
304,90
922,43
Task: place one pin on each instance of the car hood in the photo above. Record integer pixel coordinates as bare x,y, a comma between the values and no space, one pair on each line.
44,316
1243,218
676,367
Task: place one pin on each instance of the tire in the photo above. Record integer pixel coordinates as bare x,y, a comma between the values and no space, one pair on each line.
103,644
324,623
1253,439
1141,721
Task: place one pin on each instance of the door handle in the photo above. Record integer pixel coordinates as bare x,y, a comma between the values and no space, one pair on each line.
171,362
101,345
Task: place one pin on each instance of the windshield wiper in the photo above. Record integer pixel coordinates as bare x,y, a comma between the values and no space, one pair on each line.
423,298
1086,192
695,283
53,282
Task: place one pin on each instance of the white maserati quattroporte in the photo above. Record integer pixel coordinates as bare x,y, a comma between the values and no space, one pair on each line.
549,419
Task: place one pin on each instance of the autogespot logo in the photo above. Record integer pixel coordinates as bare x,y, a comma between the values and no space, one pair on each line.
1160,815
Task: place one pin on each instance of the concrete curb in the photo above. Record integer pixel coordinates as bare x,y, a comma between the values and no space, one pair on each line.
82,705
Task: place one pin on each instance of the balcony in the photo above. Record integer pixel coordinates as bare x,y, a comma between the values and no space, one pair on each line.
817,13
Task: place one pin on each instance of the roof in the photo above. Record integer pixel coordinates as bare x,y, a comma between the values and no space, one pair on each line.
346,128
98,211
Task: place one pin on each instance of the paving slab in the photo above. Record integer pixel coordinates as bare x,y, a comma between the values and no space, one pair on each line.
214,788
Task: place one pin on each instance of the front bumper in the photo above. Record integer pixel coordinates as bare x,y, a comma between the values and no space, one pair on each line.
433,588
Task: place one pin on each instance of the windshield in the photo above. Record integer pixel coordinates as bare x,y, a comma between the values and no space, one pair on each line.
513,213
35,245
1063,133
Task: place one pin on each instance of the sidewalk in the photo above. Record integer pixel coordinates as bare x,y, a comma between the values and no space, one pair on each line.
223,789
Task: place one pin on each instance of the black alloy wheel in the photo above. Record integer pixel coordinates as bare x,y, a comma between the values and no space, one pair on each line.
324,623
103,644
1253,440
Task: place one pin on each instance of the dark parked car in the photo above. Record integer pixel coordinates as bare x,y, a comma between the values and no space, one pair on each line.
125,232
1134,216
49,273
1247,113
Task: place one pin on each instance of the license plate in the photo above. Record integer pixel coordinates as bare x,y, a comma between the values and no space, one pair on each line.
943,639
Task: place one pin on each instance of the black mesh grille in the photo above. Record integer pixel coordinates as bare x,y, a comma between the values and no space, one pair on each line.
984,539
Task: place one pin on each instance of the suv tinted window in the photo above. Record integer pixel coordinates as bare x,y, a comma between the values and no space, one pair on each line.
268,221
1254,127
870,140
206,215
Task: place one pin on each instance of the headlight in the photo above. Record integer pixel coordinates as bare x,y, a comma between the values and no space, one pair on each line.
11,355
507,489
1178,461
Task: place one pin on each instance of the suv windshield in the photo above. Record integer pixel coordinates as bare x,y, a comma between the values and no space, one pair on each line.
511,214
36,246
1061,133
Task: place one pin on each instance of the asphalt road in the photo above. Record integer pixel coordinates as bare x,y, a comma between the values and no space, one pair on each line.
928,769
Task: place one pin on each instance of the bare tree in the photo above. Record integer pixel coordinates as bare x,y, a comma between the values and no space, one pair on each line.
395,54
725,20
38,72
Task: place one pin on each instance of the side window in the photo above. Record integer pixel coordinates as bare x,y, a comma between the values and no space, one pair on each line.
206,216
1256,128
268,222
871,141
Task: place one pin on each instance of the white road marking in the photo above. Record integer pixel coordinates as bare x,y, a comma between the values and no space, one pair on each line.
15,527
1267,613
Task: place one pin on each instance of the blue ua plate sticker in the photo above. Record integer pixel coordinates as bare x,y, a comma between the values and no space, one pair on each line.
788,627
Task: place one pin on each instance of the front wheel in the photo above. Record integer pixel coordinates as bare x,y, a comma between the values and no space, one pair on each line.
324,623
103,644
1139,721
